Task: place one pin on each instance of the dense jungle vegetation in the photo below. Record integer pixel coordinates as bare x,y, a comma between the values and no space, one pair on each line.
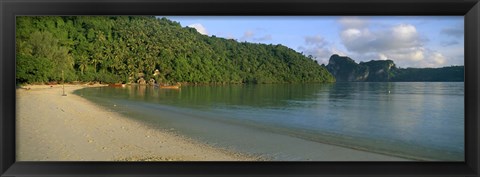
123,49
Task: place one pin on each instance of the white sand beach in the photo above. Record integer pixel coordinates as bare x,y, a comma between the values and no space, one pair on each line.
52,127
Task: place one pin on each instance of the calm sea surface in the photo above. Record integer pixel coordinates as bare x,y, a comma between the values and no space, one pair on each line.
416,120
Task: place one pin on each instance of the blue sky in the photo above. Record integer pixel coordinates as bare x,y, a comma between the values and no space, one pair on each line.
410,41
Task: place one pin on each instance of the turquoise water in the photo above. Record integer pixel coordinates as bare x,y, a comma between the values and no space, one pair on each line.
418,120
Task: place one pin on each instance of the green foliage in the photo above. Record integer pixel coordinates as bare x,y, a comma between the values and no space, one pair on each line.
345,69
87,76
450,73
380,70
46,51
108,77
123,49
33,69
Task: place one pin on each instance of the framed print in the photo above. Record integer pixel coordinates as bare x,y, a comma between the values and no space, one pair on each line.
256,88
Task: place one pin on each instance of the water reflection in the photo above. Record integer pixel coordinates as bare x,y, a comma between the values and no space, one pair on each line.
416,119
269,95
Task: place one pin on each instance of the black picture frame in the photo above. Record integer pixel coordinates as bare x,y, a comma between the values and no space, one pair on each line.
470,9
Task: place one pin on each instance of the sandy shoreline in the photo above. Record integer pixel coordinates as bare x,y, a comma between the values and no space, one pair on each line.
52,127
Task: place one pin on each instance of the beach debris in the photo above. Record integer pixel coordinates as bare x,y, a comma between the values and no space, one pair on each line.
90,141
104,147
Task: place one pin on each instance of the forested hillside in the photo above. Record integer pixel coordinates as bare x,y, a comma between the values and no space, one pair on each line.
124,49
449,73
346,69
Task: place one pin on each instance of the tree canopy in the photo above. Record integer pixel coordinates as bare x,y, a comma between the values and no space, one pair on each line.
123,49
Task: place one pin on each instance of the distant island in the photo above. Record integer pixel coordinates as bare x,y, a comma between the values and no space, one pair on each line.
346,69
127,49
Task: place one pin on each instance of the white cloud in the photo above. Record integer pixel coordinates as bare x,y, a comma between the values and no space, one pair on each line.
454,55
315,40
200,28
401,43
415,57
402,36
396,37
251,35
405,31
382,56
319,53
247,35
319,48
352,33
438,58
405,56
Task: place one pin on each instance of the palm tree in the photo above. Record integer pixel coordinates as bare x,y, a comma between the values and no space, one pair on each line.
82,63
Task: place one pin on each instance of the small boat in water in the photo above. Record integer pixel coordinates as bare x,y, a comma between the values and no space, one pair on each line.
116,85
170,87
177,86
